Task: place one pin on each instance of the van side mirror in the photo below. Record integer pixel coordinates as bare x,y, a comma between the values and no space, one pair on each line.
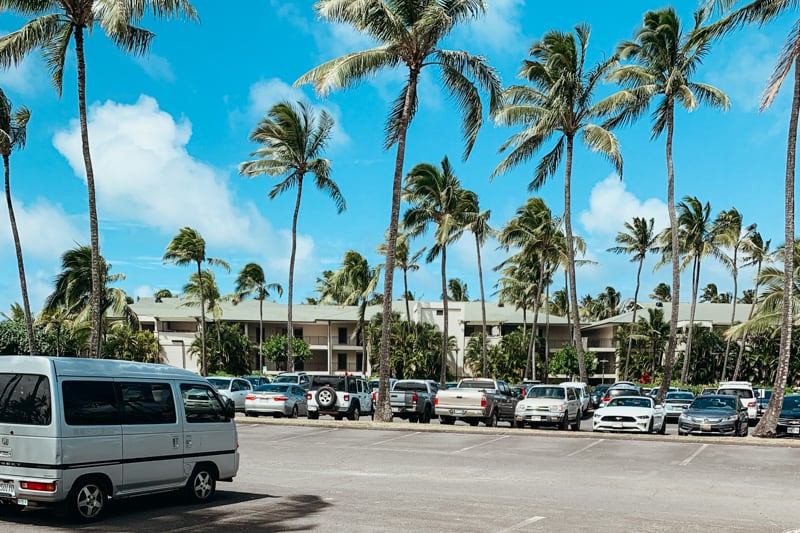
230,409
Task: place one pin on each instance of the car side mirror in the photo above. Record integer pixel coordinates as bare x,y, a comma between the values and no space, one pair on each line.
230,409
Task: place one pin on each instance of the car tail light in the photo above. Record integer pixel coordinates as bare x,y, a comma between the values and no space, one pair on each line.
308,396
250,397
483,400
414,398
346,397
751,404
436,400
607,398
374,396
280,398
38,485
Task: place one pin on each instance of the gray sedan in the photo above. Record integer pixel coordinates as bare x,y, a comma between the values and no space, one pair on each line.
276,399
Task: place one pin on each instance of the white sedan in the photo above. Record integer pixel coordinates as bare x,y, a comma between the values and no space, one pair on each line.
631,413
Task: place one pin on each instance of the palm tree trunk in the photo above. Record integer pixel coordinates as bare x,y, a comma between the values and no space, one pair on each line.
96,334
744,335
260,335
766,427
687,356
576,335
735,272
23,285
405,296
204,368
383,413
483,306
547,334
669,363
290,292
633,320
445,343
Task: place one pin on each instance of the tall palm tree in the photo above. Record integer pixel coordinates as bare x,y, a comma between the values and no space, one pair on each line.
437,198
559,103
353,284
293,139
637,241
760,13
13,127
252,282
409,34
457,290
479,226
756,252
661,293
407,262
186,248
53,26
697,239
664,63
733,235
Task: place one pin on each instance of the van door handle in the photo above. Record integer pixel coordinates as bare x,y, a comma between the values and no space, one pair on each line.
188,441
176,442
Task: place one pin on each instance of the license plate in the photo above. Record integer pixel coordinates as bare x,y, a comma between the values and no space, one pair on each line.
457,411
396,409
706,427
537,417
616,425
793,431
7,488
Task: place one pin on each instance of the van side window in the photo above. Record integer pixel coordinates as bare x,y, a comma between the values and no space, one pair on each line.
147,403
25,399
201,404
90,403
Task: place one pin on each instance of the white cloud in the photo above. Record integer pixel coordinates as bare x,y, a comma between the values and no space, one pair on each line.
156,67
144,175
611,205
266,93
289,11
500,28
743,73
45,231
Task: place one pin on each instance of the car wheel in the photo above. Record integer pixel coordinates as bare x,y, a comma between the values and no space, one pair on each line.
354,414
313,415
564,423
491,422
576,426
651,426
447,420
326,397
743,430
663,430
426,416
87,499
294,412
201,485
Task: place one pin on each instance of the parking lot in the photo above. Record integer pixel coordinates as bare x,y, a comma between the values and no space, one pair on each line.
341,476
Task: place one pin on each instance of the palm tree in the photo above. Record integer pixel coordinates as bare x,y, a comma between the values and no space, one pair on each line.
54,26
697,238
480,228
664,63
637,241
293,140
662,293
186,248
558,104
353,284
13,127
654,330
760,12
733,235
408,33
756,253
406,262
457,290
203,288
437,198
251,281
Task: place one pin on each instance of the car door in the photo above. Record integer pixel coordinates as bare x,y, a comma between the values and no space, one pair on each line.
506,401
365,396
573,404
239,390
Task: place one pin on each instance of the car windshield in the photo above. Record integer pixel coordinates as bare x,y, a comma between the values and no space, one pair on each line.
680,396
220,383
273,388
546,392
716,402
285,379
627,401
741,393
791,403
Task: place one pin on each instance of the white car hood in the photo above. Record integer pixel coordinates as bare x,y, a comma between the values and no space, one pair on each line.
531,402
625,411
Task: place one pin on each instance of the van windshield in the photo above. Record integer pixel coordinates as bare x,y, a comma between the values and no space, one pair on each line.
25,399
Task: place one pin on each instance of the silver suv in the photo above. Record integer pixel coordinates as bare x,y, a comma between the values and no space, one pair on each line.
295,378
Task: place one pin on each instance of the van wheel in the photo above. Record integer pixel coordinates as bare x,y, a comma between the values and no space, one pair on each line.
201,485
87,499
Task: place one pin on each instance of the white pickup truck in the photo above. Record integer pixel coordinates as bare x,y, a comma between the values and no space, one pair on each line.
476,400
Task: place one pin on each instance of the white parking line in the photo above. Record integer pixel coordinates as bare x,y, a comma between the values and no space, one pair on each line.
395,438
306,435
695,454
481,444
522,524
595,443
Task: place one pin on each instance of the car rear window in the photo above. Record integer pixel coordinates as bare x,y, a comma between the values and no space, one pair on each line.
25,399
741,393
336,382
410,386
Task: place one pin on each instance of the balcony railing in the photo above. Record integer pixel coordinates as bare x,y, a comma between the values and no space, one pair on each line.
601,343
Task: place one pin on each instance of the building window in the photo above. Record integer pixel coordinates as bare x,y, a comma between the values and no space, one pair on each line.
359,362
341,362
342,335
440,312
298,333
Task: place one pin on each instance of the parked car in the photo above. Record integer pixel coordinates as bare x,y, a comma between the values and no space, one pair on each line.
476,400
676,402
583,394
720,414
549,405
708,390
789,419
413,399
235,389
297,378
631,413
619,390
373,384
276,399
339,396
763,397
257,381
744,391
597,394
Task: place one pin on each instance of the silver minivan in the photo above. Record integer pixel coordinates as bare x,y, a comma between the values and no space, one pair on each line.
82,431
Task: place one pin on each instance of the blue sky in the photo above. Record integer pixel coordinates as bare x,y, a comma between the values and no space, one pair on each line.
169,130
